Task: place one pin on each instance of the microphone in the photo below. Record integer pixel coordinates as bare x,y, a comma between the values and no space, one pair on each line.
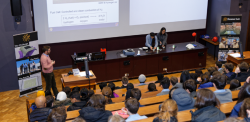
86,68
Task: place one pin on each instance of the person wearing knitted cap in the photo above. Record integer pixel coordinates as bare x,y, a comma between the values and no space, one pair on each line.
62,99
40,93
142,79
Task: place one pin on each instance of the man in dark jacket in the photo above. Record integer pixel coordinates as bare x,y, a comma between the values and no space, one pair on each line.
41,113
183,99
76,100
242,76
229,72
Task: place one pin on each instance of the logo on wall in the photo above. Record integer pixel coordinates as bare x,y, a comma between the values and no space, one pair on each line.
26,37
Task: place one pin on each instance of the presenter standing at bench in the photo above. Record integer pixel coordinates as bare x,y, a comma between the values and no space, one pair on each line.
162,37
151,40
47,69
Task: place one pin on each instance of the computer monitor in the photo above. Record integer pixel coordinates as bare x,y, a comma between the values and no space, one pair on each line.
81,54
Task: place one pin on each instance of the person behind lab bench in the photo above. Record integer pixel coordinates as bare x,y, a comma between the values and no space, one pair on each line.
151,41
162,37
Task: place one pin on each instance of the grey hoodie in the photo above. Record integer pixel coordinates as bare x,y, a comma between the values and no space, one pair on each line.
183,99
225,96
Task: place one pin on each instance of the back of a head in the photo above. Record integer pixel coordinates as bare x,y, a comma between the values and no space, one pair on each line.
61,96
67,90
244,108
40,102
185,75
76,89
142,78
198,72
204,78
49,101
47,92
234,84
97,101
115,118
78,119
220,81
135,93
245,93
229,66
218,64
206,97
193,76
165,83
152,87
168,109
132,105
130,86
216,73
125,80
103,84
190,85
244,67
160,76
84,93
173,80
58,114
107,92
75,95
211,70
112,86
233,119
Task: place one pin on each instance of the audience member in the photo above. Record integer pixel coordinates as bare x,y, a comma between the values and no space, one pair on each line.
185,75
168,112
76,101
131,108
142,79
165,85
151,87
58,115
91,93
76,89
129,87
62,99
193,76
190,86
216,73
84,94
124,82
242,76
183,99
49,101
235,85
136,93
245,110
107,93
41,113
205,83
78,119
112,86
211,70
198,72
40,93
160,77
206,105
243,94
67,90
102,84
116,118
223,95
232,119
229,71
174,82
47,93
218,66
95,110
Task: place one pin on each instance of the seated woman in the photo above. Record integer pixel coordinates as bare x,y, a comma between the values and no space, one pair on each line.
204,82
107,93
168,112
151,87
206,107
245,110
129,87
235,85
95,110
112,86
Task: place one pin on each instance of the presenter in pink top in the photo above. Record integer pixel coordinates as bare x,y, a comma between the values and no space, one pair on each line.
47,70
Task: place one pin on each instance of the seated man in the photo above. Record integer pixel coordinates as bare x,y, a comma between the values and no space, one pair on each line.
142,79
41,113
62,99
131,108
190,86
174,82
223,95
229,71
136,93
151,41
242,75
57,115
76,101
49,101
102,84
218,66
124,82
165,85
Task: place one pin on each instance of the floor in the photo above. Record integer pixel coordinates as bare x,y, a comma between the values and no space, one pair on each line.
13,108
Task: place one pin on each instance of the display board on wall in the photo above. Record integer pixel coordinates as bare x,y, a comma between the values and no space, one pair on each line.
27,62
229,36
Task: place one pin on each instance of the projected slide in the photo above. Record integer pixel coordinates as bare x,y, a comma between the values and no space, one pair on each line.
82,14
162,11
